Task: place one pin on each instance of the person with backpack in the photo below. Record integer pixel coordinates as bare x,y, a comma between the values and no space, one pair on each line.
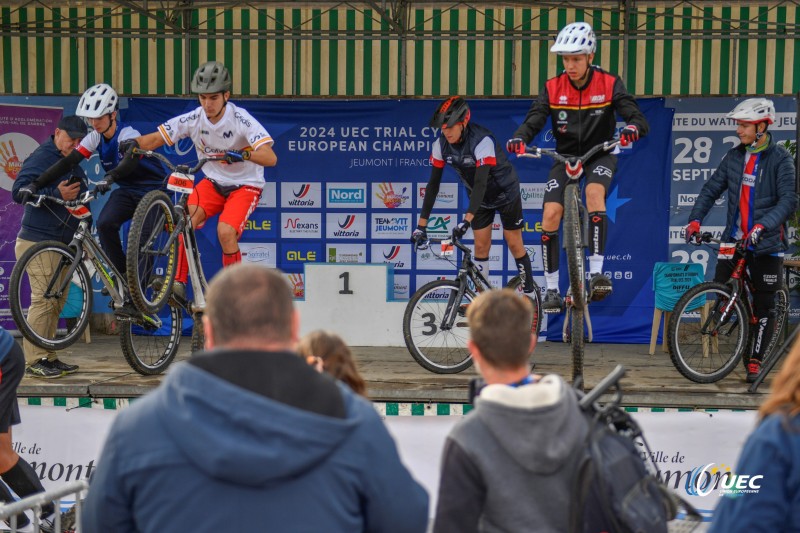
509,464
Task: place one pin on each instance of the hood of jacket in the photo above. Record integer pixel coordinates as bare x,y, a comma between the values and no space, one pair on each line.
238,436
540,424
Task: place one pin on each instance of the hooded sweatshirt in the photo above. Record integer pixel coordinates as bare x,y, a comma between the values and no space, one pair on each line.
509,464
237,441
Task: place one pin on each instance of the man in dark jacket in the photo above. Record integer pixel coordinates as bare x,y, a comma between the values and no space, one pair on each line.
247,437
582,103
509,464
759,177
48,222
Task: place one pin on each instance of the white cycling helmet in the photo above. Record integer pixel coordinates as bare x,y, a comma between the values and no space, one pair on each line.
575,38
754,110
98,101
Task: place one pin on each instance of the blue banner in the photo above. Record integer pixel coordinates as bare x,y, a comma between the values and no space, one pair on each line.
351,177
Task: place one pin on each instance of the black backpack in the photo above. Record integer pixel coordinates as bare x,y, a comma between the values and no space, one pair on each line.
613,489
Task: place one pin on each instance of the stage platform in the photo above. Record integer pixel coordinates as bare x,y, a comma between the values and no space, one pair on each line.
393,376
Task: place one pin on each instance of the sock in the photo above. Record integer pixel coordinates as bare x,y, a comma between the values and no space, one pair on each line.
24,481
550,256
524,267
598,223
182,272
550,251
551,280
595,264
483,266
231,259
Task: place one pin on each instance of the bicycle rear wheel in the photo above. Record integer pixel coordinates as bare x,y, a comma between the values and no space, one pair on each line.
152,252
573,244
56,319
780,308
707,336
436,347
150,350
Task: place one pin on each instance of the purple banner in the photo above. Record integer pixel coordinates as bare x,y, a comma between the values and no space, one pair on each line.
22,130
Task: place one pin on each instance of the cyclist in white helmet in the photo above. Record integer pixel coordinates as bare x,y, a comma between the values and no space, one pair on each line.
231,188
759,177
135,177
581,103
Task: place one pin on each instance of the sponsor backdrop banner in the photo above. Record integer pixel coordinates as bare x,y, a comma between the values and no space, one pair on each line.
351,178
22,130
702,135
64,444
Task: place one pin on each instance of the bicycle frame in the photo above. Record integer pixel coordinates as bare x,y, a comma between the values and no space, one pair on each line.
186,229
89,252
466,272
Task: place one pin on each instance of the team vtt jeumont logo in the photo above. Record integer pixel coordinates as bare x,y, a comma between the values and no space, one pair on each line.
706,479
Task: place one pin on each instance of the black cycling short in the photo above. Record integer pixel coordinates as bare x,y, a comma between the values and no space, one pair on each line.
510,216
12,367
600,170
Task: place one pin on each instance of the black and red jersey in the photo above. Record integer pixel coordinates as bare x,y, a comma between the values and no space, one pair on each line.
585,117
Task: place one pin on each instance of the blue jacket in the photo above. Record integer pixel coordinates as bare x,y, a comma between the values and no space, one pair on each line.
775,196
771,451
202,454
49,221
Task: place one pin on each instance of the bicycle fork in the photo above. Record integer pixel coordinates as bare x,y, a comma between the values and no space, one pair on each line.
454,307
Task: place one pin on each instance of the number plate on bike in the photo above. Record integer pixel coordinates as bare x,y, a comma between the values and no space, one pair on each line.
447,248
79,212
179,182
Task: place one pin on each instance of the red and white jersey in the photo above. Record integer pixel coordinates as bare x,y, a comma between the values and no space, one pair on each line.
236,130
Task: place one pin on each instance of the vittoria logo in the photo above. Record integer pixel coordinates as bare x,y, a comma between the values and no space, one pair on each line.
304,188
347,222
392,253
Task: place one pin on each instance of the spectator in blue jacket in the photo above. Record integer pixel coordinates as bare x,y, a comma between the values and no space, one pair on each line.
758,176
769,465
248,437
49,222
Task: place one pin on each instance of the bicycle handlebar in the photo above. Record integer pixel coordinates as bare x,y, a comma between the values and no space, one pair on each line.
83,199
533,151
456,242
611,380
709,237
183,168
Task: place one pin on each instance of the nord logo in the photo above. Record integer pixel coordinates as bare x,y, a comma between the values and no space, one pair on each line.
346,196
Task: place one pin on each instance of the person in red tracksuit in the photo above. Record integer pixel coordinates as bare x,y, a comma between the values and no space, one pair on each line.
582,103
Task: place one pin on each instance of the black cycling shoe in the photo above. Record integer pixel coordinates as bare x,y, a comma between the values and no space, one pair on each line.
599,287
552,302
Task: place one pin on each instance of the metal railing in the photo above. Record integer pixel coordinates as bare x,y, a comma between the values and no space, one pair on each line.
11,511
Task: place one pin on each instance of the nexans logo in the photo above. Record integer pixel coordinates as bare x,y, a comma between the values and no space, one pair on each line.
301,225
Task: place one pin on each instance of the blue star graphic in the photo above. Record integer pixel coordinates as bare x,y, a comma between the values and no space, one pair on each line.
613,202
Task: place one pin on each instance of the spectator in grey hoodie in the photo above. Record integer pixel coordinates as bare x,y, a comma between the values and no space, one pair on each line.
508,465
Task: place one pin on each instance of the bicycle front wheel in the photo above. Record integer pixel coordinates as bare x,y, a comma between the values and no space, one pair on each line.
573,244
434,344
577,340
152,252
707,333
148,349
51,311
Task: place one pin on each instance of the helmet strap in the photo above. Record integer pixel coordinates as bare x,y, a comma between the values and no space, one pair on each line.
111,122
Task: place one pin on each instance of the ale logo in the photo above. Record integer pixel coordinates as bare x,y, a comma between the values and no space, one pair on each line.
303,191
348,221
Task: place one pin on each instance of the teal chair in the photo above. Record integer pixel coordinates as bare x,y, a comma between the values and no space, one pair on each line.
670,281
